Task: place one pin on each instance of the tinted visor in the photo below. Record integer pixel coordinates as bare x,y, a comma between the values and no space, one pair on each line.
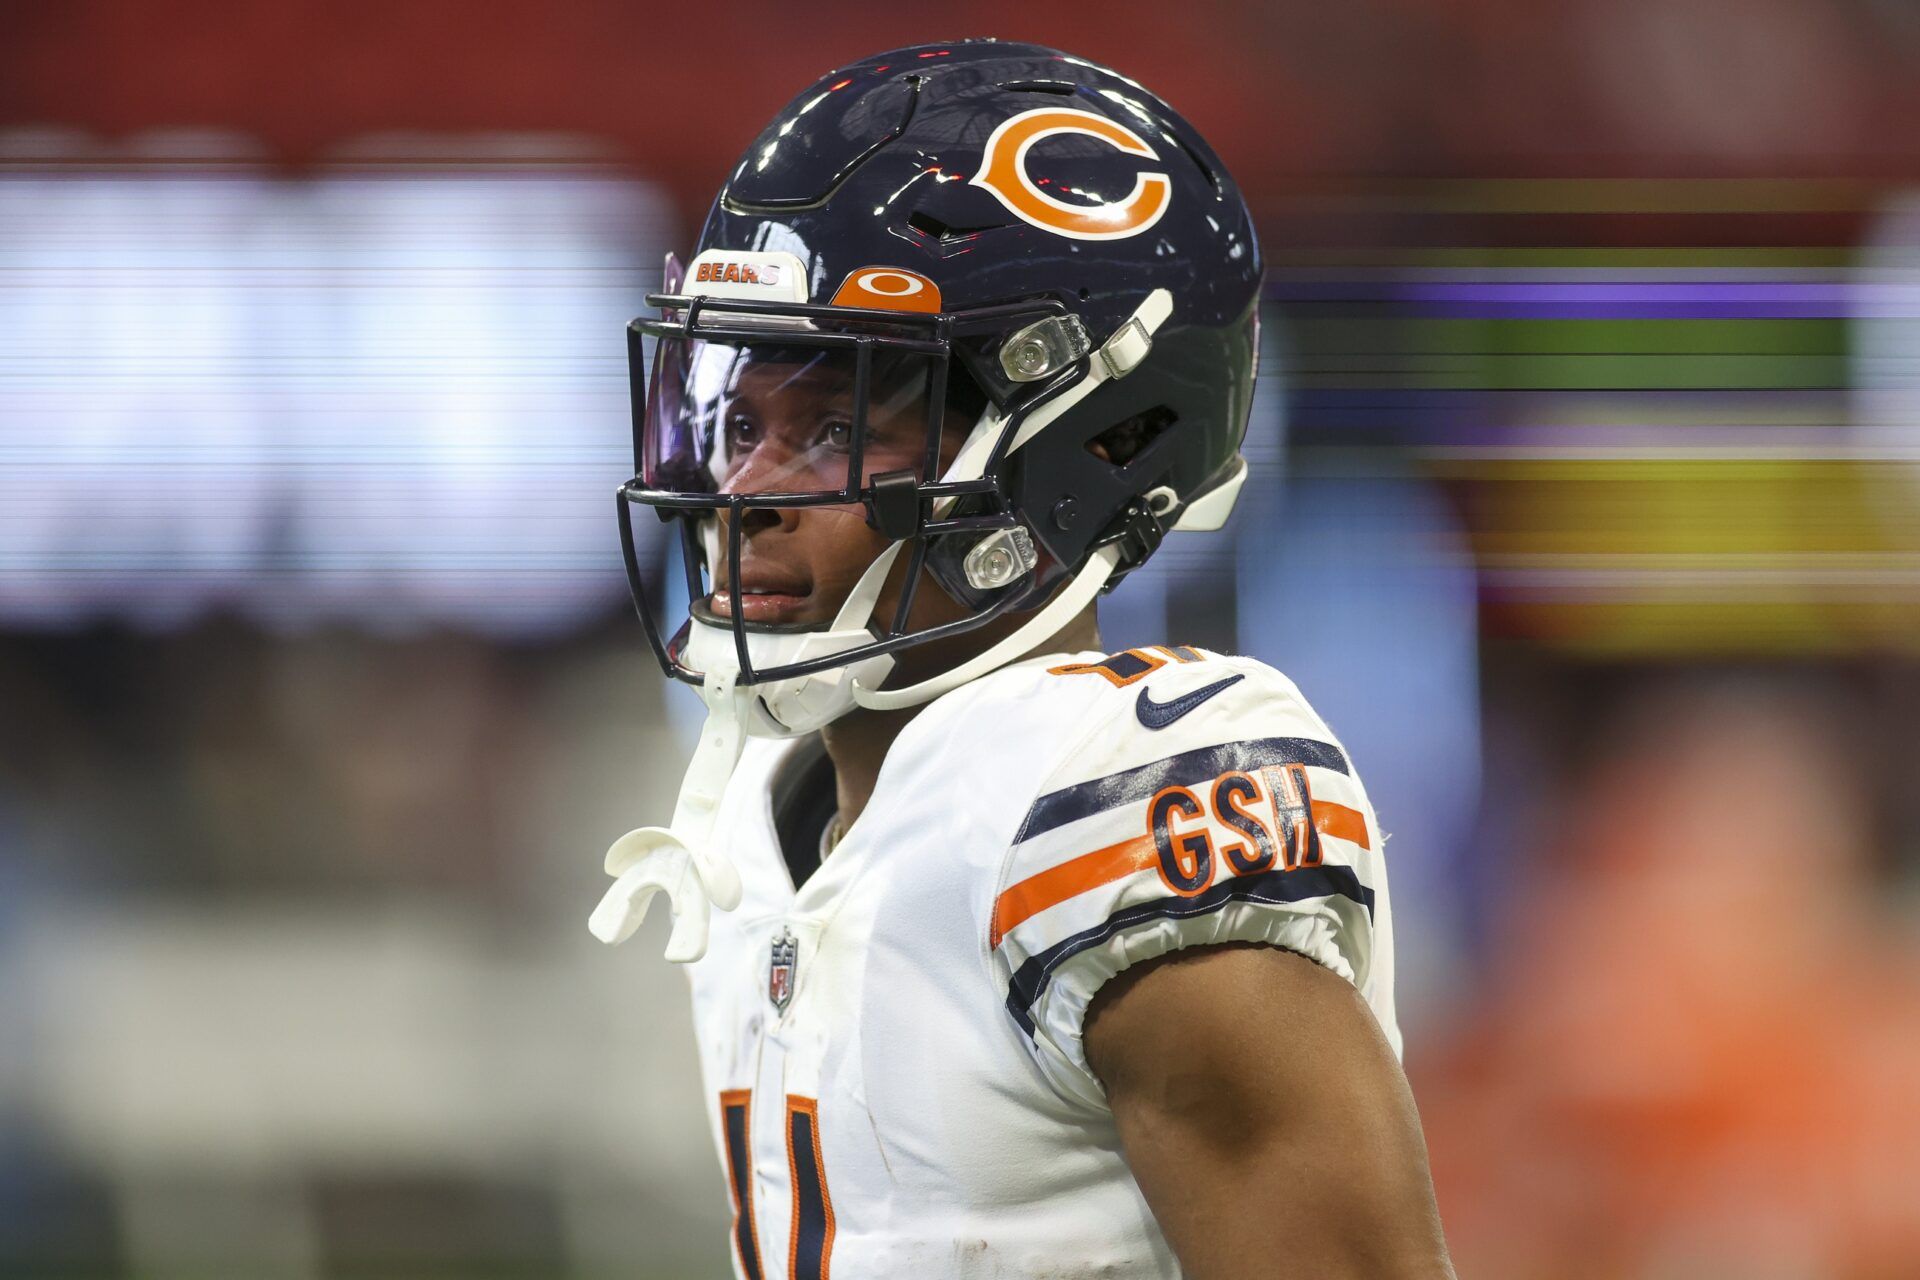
766,417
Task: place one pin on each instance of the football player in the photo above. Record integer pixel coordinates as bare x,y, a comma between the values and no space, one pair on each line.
1009,956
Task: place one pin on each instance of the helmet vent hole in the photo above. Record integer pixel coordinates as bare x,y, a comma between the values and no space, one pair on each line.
1212,177
1065,88
928,225
1124,441
1084,295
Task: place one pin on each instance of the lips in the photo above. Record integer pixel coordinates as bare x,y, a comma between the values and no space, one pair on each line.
760,606
765,595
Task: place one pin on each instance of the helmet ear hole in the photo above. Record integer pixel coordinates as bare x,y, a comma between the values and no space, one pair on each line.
1127,439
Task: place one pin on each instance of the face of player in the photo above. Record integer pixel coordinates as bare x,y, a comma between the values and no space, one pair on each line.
782,422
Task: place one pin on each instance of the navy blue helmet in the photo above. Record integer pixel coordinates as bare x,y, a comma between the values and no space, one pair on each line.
981,238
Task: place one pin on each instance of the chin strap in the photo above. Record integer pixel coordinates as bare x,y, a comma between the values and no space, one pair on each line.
679,860
1042,626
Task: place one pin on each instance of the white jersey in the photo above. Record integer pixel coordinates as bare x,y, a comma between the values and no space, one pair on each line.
892,1054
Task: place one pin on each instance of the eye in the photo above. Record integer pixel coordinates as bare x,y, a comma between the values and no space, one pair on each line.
837,434
742,431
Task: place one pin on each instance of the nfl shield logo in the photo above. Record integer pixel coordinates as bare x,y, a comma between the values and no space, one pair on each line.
786,957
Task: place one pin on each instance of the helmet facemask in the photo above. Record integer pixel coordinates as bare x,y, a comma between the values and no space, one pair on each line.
757,408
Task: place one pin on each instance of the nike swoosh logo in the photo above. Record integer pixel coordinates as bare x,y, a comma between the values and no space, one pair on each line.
1158,715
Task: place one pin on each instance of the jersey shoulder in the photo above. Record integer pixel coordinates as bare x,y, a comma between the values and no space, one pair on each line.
1200,800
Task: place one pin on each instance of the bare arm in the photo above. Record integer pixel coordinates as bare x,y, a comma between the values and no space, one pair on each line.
1266,1118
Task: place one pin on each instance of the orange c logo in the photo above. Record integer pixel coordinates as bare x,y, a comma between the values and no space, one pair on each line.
1003,171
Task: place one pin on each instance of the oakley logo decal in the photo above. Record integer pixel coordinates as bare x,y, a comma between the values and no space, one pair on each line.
1003,171
888,289
1158,715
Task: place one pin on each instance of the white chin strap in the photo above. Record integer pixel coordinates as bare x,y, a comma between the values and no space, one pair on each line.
679,859
1072,598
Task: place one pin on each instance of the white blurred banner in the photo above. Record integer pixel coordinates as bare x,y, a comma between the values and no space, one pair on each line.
387,395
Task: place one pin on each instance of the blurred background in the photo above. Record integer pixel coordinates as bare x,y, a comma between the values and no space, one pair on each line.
1586,508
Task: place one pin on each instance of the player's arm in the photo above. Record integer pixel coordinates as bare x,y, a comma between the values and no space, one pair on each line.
1266,1118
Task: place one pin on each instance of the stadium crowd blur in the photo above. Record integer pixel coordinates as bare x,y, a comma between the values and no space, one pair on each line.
1586,509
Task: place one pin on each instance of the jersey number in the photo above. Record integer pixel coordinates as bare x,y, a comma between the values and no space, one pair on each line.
1122,669
811,1238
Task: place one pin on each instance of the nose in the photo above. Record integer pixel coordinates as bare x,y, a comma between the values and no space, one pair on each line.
755,519
768,467
759,471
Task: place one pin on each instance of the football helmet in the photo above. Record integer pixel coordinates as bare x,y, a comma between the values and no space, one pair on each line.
1012,216
1027,289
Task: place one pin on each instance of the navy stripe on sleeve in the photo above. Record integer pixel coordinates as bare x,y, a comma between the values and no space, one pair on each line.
1277,886
1070,804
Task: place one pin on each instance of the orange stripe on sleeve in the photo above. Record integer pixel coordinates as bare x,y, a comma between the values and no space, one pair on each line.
1069,880
1076,876
1339,821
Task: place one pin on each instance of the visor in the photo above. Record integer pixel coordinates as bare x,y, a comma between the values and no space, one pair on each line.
771,418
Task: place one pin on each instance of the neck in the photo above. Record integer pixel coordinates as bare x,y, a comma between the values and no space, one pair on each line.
858,742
